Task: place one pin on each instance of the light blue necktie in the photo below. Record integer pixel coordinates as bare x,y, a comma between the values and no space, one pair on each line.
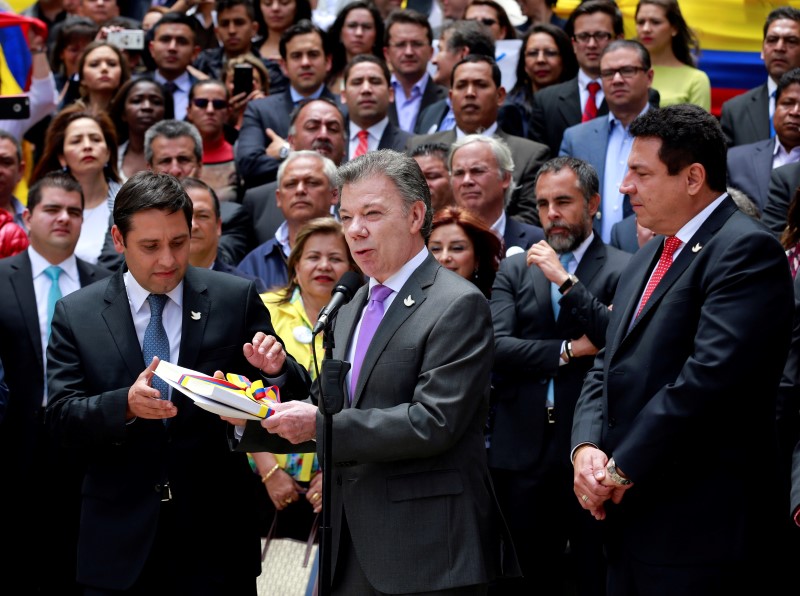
53,272
156,342
555,296
771,118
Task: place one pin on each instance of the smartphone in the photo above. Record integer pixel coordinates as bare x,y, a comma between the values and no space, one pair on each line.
242,79
127,39
15,107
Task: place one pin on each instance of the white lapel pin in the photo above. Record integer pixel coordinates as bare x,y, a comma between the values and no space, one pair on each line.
697,247
409,301
195,316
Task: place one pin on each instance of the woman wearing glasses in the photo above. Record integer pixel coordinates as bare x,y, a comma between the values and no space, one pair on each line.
209,111
673,48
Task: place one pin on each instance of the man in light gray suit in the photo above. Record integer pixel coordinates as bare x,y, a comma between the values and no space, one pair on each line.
413,509
605,142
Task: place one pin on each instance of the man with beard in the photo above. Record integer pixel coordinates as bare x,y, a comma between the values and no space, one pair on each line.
550,310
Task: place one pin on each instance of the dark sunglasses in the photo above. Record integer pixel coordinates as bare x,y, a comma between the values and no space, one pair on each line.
202,103
487,22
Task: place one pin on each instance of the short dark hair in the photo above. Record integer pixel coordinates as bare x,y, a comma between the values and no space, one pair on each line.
782,12
502,16
473,35
176,18
227,4
211,83
339,59
588,181
689,134
790,77
4,134
407,17
629,44
360,59
302,27
191,182
497,76
569,63
150,190
593,6
438,150
54,179
303,103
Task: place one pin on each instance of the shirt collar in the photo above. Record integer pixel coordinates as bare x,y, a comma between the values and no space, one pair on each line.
296,97
282,236
419,86
375,131
39,264
183,82
137,295
613,120
398,279
578,253
690,227
584,80
486,132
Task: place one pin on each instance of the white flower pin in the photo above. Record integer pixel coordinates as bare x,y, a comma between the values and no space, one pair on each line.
409,301
195,316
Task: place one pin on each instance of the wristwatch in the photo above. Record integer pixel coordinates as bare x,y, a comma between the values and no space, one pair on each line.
611,468
283,153
571,281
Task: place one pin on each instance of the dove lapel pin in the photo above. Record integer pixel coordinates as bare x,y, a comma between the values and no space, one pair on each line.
195,316
409,301
697,247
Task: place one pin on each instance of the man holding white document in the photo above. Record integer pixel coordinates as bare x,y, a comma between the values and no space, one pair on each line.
166,503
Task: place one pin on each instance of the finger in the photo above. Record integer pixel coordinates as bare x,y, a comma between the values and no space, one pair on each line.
272,134
218,374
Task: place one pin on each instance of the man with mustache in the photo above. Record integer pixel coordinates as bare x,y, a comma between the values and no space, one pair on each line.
550,313
306,190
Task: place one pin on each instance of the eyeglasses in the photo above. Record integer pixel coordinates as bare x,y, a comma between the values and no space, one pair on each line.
532,53
487,21
202,103
626,72
598,36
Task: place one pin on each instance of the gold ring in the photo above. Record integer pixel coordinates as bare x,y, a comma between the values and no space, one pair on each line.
584,498
315,497
288,501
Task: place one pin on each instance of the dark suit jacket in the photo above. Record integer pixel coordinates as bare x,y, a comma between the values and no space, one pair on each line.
509,118
749,169
745,118
93,359
624,235
528,343
432,94
253,164
409,455
671,390
521,234
262,206
528,157
783,184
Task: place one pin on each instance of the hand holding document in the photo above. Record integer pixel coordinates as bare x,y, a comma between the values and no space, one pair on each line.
235,396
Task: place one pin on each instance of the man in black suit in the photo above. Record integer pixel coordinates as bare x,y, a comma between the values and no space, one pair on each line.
746,117
477,95
368,95
161,483
317,125
481,174
261,146
672,393
592,25
53,215
550,314
408,48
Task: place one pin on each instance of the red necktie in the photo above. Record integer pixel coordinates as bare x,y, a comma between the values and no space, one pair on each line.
671,244
590,109
362,147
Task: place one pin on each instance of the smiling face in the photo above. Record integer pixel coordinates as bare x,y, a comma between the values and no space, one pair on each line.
85,149
101,70
304,191
322,263
543,63
144,106
156,249
382,230
453,248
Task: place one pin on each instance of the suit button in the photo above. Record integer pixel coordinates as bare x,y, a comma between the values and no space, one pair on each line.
574,310
612,422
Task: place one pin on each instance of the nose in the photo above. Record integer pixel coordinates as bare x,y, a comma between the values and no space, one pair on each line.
210,106
446,256
174,168
626,187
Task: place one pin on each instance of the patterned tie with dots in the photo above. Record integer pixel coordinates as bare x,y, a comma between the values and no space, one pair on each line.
361,148
156,342
671,244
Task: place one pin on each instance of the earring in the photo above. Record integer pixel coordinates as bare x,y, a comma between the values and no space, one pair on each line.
65,169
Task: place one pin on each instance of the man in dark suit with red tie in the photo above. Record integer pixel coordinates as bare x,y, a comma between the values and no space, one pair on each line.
674,432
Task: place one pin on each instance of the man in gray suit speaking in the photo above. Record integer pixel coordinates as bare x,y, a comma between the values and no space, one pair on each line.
413,509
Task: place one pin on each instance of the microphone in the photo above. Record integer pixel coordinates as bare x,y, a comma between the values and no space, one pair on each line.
342,293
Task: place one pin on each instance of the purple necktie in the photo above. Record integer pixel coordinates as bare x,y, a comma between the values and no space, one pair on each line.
369,324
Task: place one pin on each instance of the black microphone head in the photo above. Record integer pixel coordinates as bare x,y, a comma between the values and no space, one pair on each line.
348,284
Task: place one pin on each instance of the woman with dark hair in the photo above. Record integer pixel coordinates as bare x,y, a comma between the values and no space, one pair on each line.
464,244
673,47
273,18
494,16
72,37
358,29
102,70
84,143
138,105
546,58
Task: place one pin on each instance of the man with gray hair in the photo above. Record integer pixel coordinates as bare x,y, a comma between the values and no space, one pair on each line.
306,190
481,174
550,313
408,452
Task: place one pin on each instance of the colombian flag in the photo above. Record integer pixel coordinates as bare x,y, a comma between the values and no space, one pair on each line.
730,34
15,56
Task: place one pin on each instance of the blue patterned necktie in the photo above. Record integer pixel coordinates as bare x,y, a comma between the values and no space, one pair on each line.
53,272
156,342
555,296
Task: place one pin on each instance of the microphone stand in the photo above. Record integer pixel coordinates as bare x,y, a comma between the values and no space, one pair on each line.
331,386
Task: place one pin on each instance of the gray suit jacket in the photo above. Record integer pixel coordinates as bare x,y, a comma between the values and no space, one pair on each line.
408,455
749,169
783,184
745,118
528,157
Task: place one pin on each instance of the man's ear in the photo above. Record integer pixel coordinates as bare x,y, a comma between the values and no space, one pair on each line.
119,242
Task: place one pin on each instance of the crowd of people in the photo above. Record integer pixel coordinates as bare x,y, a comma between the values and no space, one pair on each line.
578,298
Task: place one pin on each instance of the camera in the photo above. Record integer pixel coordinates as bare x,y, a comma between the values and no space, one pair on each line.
15,107
242,79
127,39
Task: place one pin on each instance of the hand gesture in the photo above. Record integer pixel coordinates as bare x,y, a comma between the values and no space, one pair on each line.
146,402
543,256
276,142
265,353
295,421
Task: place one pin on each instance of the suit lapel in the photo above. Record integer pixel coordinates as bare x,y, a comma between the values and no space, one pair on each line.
196,309
756,115
762,168
117,315
592,261
541,289
22,284
570,104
